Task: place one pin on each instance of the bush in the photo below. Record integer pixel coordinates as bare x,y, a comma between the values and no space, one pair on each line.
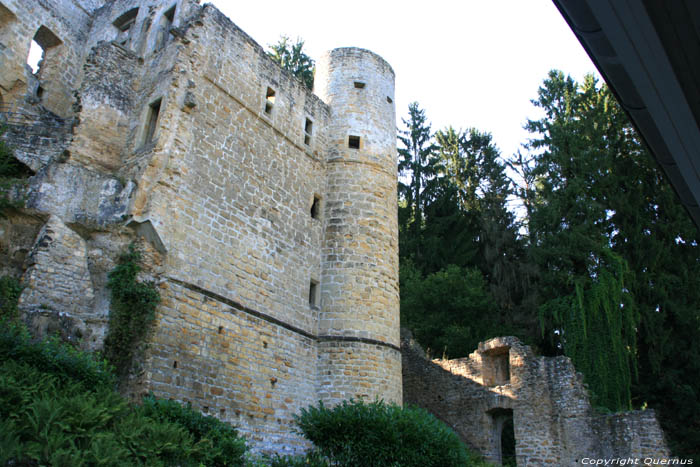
10,289
219,441
361,434
52,357
58,407
311,459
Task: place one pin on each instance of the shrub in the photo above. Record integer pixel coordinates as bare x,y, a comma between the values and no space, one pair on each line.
361,434
58,407
311,459
132,310
219,441
54,358
10,289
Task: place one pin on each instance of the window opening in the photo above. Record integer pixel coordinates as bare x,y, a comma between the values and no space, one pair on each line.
308,129
313,293
125,24
359,85
152,121
315,207
354,142
44,40
496,370
388,99
166,22
269,100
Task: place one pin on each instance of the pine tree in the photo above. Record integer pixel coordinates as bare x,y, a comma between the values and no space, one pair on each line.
417,170
292,58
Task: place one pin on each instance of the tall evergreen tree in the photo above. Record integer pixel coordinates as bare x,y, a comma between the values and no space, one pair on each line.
291,57
582,280
618,257
417,168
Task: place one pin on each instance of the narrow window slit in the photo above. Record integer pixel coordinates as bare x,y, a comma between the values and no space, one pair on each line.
308,129
315,207
359,85
152,121
269,100
313,293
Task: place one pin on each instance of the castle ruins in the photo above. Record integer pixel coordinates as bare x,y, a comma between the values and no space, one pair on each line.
267,214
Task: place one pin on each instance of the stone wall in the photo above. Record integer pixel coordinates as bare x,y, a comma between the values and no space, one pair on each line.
274,241
554,423
62,26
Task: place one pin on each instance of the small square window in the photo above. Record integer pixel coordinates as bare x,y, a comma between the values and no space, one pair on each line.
269,100
315,207
359,85
313,293
354,142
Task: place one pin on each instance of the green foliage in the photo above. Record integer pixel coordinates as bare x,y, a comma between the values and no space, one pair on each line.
219,442
54,358
58,407
462,265
132,311
462,311
292,58
617,257
361,434
10,290
597,326
417,165
311,459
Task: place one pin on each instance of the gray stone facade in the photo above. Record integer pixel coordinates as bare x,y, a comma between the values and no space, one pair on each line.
544,397
267,212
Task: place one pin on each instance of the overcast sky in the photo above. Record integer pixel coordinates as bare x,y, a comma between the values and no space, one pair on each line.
468,63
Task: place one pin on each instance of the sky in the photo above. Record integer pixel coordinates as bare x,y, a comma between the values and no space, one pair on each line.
468,63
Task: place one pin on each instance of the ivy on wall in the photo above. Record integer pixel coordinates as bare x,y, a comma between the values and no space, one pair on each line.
132,311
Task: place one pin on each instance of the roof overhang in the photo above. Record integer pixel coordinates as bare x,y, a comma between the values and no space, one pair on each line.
648,52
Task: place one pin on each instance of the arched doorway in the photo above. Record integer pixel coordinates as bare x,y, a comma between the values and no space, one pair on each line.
502,436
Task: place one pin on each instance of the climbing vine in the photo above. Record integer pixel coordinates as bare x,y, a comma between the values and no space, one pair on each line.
597,326
132,310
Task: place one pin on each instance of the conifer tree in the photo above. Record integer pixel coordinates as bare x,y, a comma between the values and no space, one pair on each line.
292,58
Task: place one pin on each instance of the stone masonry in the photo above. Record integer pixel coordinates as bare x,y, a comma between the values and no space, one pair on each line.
267,215
552,418
267,212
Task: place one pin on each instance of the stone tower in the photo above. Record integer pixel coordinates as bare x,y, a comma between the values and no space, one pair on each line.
358,349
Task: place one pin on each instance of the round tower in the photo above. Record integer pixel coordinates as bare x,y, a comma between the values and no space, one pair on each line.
359,353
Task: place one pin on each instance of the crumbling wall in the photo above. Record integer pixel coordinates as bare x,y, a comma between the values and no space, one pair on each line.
554,422
61,27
